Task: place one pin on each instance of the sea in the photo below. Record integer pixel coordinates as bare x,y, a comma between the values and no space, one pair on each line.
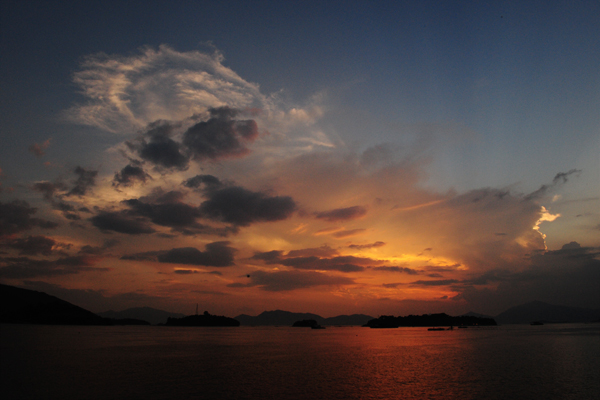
552,361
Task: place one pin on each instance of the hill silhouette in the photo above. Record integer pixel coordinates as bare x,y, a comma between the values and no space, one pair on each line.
23,306
388,321
544,312
287,318
205,319
152,315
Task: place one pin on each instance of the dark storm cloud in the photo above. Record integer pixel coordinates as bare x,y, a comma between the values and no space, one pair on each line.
85,180
342,214
206,182
217,254
35,245
167,209
121,222
157,147
269,257
129,175
403,270
324,259
559,179
342,263
242,207
173,214
367,246
568,276
16,217
291,280
221,136
324,264
25,267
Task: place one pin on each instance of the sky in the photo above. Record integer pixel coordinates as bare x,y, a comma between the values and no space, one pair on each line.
339,157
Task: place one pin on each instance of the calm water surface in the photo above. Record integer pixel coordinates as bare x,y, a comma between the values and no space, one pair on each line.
534,362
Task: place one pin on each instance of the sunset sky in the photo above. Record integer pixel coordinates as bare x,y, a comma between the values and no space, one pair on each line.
330,157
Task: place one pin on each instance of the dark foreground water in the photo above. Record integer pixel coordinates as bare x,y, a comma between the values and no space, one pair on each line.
533,362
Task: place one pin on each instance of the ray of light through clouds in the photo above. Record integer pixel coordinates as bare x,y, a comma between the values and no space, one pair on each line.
205,187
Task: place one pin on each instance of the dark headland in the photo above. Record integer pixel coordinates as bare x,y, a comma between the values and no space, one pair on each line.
23,306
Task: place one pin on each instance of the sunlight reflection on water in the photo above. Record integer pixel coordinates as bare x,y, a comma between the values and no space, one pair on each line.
556,361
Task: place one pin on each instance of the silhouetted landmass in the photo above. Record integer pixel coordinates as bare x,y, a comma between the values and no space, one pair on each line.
388,321
305,323
474,314
149,314
127,321
23,306
348,320
287,318
546,313
205,319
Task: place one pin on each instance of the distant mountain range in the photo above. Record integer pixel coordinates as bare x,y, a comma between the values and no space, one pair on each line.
544,312
287,318
149,314
31,307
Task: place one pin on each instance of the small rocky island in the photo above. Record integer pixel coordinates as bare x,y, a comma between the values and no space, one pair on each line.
205,319
389,321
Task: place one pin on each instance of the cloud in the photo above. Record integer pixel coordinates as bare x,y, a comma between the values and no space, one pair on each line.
128,93
403,270
129,175
49,189
559,179
216,254
121,222
301,259
165,211
568,276
292,280
367,246
85,180
39,149
322,252
441,282
16,217
242,207
348,233
35,245
221,136
342,214
203,182
157,147
26,268
96,250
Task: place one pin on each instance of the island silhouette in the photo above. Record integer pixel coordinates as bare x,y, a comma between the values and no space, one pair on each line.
24,306
205,319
